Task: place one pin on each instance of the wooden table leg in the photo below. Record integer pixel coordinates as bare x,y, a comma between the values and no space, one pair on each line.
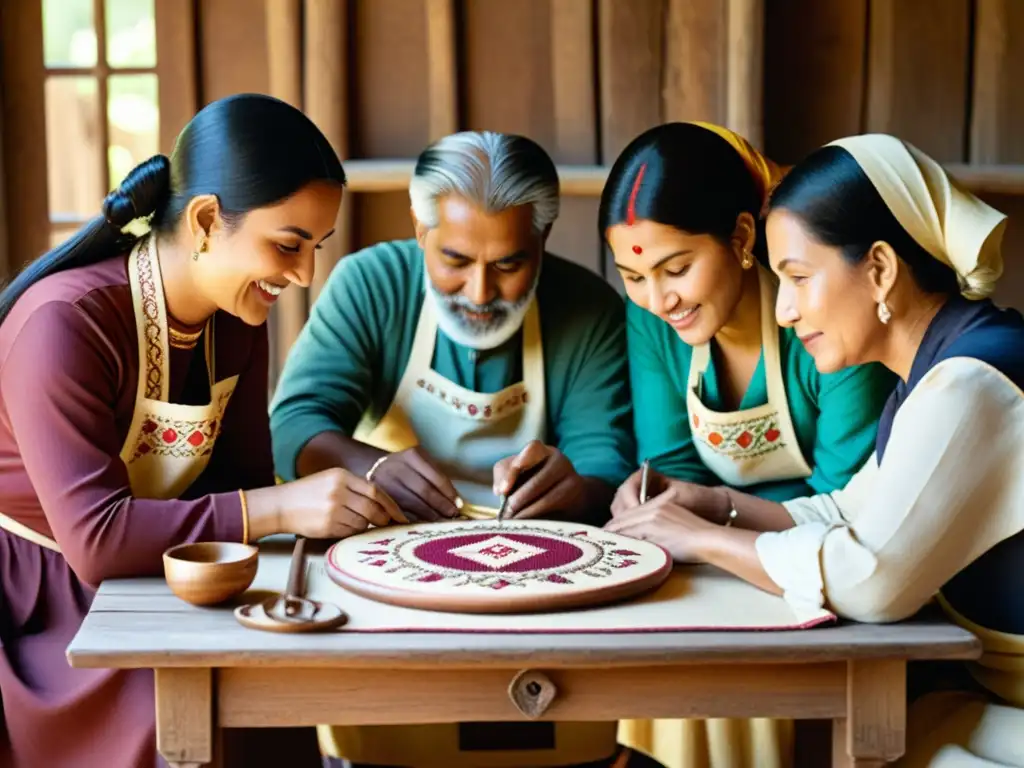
185,732
873,731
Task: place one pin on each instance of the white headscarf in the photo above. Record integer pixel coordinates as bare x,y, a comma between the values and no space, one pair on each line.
950,223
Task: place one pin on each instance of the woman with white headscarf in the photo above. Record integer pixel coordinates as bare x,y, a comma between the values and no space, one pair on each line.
882,258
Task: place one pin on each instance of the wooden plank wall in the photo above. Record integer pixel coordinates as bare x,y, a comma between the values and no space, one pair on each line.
583,77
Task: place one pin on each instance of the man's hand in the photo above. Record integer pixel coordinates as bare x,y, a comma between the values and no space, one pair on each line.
547,483
423,492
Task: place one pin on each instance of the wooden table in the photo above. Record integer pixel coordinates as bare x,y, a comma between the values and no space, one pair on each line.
212,672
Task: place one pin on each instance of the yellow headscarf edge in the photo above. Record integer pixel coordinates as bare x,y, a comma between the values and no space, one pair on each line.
766,173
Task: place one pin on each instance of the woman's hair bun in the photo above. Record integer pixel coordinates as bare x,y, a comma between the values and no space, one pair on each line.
144,191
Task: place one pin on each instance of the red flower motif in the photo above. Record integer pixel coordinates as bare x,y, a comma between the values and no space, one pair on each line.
377,562
149,427
745,440
196,438
144,449
473,410
169,435
624,552
432,577
715,439
500,584
772,435
373,551
558,579
626,564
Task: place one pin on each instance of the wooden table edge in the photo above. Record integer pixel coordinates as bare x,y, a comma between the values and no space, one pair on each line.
965,650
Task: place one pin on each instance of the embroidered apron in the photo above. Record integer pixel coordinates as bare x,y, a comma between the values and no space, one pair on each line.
465,433
755,445
168,445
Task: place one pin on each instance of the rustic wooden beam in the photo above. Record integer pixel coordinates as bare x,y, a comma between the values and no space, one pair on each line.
694,61
744,71
327,102
588,180
177,80
997,116
572,79
917,73
284,63
630,45
814,74
21,66
442,74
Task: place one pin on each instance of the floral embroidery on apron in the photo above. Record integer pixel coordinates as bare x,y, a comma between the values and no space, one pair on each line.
168,445
755,445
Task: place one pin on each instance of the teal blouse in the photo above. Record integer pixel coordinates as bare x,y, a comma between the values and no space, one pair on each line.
835,415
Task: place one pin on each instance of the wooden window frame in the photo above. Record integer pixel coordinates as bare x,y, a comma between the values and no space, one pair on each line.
23,75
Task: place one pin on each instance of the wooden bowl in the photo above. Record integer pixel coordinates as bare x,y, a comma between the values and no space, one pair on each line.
210,572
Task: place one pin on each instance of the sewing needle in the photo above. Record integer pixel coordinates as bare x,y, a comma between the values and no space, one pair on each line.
643,481
501,509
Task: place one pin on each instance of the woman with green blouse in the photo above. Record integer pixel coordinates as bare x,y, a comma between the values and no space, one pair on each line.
722,396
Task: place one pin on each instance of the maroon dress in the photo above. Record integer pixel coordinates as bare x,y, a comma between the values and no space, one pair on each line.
69,363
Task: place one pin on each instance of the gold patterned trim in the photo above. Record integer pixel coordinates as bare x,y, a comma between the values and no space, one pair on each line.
150,324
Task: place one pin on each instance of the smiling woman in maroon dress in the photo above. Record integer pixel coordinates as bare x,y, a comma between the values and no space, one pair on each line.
133,410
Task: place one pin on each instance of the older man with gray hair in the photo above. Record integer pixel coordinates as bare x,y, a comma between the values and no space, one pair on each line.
458,367
467,362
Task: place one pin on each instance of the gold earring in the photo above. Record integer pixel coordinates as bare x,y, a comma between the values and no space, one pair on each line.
884,313
200,249
748,260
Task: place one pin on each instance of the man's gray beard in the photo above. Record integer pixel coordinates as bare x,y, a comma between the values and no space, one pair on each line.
506,317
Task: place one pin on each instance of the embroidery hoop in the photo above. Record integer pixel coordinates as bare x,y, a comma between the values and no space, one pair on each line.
483,566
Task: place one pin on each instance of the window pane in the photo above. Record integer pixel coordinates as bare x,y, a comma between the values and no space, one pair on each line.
74,156
131,33
69,37
134,116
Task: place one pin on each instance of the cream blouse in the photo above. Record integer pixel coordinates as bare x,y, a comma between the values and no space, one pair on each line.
950,487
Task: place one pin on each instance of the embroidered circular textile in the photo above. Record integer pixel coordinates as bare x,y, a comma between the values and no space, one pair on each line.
483,566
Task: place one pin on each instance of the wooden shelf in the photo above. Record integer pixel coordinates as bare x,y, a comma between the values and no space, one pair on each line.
588,180
366,176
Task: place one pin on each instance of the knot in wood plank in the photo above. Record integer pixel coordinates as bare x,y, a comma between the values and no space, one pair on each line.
532,693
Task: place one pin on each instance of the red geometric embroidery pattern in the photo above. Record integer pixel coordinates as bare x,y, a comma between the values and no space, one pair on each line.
181,439
516,396
744,439
496,558
151,323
